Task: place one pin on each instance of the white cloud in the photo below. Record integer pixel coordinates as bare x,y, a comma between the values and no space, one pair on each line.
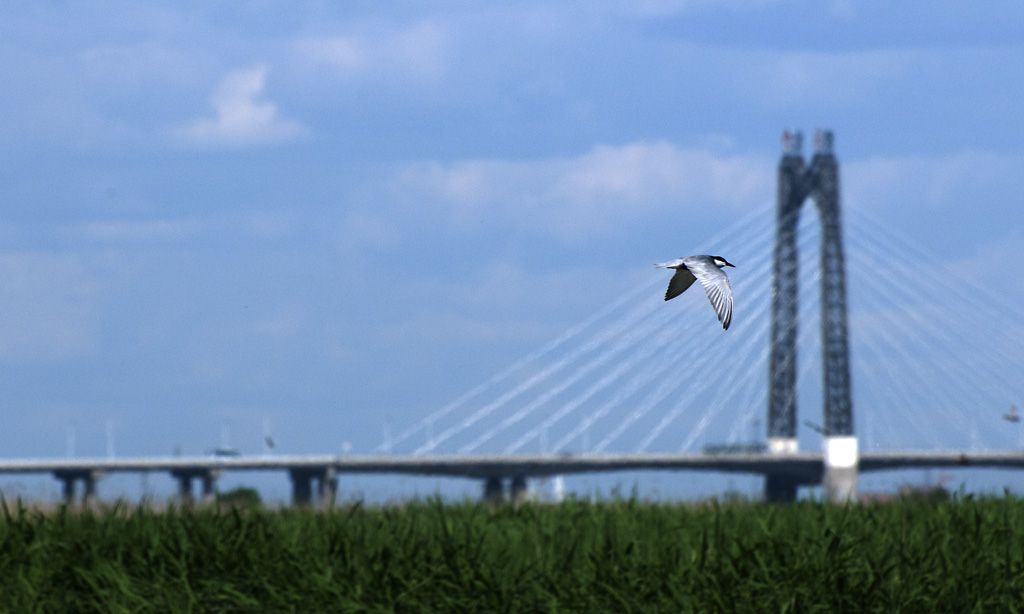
241,117
934,182
642,173
788,78
591,193
346,54
419,51
359,230
955,205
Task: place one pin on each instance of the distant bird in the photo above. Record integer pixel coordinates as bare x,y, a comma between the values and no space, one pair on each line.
708,269
1013,416
269,441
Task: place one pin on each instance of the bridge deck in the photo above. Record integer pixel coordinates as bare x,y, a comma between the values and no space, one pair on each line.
805,465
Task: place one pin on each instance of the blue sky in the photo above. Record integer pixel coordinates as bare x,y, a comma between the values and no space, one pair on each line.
329,215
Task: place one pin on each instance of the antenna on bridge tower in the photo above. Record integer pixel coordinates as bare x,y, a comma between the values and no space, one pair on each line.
797,182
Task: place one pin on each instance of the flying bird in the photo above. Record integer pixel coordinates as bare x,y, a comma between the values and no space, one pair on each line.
708,269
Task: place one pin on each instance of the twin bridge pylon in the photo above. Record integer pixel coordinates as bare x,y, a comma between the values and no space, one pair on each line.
798,181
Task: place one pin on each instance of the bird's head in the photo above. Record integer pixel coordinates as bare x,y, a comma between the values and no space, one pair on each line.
721,262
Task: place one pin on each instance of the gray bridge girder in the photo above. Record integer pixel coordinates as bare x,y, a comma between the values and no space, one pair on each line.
804,464
804,468
481,467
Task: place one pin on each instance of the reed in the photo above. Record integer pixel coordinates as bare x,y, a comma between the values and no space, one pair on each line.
962,555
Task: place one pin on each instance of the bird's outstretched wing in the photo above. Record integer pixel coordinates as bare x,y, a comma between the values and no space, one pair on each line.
716,284
682,280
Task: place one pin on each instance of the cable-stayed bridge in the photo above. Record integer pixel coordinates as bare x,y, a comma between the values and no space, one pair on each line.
890,358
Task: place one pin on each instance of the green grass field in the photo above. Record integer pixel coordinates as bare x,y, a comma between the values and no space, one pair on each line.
965,555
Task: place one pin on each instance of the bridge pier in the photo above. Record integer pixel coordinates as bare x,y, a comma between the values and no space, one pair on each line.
781,487
494,489
328,488
302,486
558,488
841,464
88,477
185,477
67,490
519,490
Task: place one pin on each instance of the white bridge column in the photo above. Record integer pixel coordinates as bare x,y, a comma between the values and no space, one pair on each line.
782,445
841,461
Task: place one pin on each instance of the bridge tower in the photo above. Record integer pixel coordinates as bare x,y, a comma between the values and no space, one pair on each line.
820,181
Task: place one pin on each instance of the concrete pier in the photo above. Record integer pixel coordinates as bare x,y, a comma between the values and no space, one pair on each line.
494,489
781,487
184,477
302,486
519,490
328,487
841,460
558,489
88,478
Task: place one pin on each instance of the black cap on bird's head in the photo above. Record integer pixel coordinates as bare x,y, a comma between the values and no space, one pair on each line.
721,262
